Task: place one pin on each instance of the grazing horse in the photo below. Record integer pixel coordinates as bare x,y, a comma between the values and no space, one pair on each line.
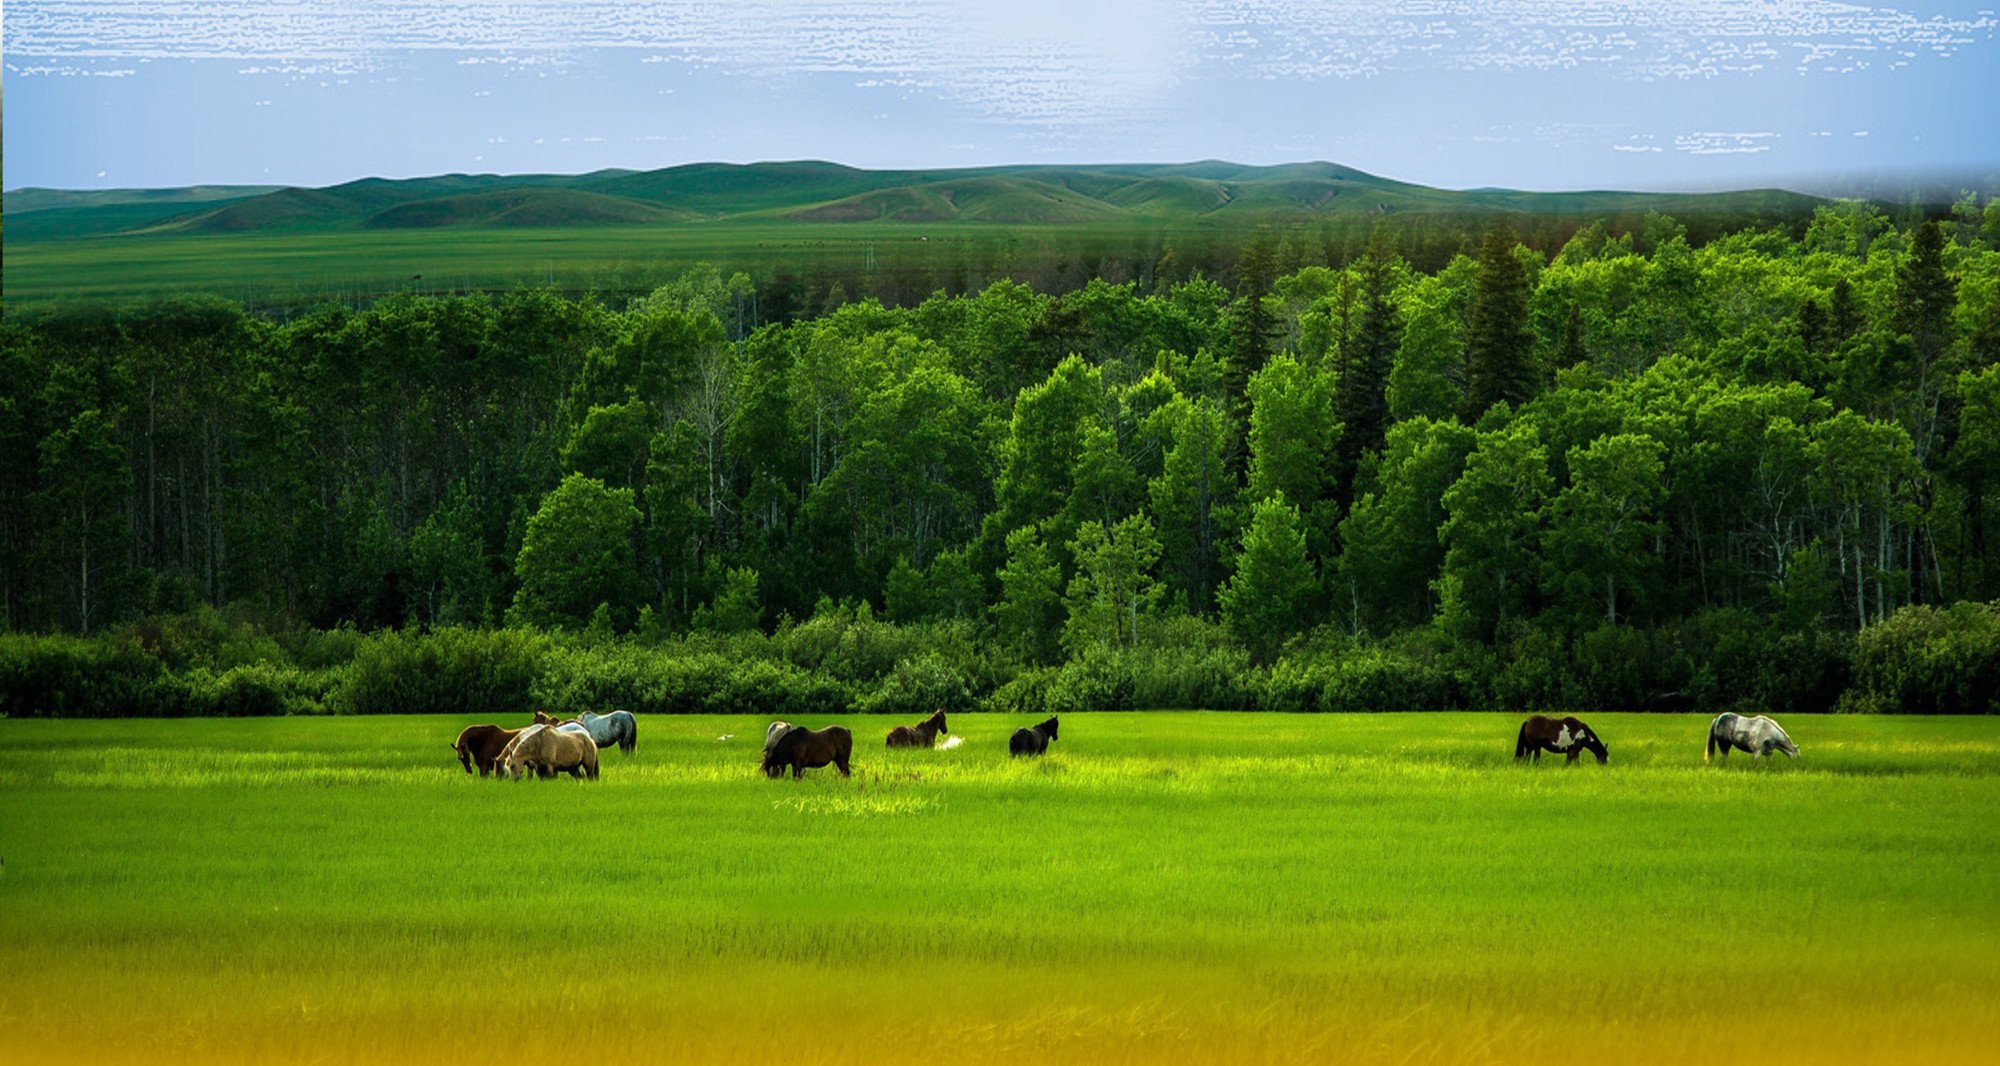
1759,736
550,750
922,735
604,730
1033,741
1542,733
618,727
803,749
482,745
500,764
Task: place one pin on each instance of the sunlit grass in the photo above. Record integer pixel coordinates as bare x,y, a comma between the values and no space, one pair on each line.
1160,887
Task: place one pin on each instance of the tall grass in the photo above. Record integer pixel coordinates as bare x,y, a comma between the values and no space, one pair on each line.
1162,886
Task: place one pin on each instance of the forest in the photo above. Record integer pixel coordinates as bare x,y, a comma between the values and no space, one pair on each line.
1633,471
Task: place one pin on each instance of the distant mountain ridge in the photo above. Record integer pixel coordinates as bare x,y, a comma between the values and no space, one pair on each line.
1208,191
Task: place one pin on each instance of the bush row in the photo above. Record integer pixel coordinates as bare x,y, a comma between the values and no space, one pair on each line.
1920,660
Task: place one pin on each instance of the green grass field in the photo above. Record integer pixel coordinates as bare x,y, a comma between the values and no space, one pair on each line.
1161,888
299,268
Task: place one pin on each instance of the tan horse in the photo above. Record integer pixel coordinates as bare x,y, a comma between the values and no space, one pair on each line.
549,750
922,735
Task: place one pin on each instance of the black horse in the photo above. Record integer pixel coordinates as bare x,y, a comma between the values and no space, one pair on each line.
1032,741
1565,737
803,749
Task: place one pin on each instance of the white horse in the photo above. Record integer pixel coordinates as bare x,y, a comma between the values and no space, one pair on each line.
618,727
1759,736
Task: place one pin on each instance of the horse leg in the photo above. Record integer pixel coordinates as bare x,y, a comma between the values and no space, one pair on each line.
798,769
841,765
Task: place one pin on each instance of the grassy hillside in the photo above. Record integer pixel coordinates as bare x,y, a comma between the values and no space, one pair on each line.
283,245
1160,888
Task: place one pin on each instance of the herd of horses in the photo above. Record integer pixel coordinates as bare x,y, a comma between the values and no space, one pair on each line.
547,747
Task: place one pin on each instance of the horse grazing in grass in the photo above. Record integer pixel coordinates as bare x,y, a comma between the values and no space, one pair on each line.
542,722
922,735
482,745
549,750
1032,741
803,749
1759,736
618,727
1566,736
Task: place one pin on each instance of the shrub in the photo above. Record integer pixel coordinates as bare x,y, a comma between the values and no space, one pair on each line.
1926,660
79,677
919,686
446,671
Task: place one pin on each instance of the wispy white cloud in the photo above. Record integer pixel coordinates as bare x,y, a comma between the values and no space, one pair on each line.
1043,61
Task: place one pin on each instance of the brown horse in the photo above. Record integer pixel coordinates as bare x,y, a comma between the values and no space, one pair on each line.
1566,736
549,750
803,749
482,745
922,735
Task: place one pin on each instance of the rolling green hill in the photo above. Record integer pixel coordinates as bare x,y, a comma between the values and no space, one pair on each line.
626,229
1204,192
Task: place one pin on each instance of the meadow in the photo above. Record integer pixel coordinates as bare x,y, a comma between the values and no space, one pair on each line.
1161,887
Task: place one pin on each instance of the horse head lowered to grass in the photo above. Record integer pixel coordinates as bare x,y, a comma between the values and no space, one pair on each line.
482,746
1759,736
1566,736
548,750
803,749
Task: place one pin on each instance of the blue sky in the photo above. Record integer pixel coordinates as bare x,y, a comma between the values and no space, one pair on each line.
1544,94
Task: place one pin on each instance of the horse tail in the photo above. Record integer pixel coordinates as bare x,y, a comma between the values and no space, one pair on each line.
1709,755
1521,742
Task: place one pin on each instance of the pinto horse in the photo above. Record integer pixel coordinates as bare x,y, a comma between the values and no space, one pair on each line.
481,745
1759,736
803,749
1565,736
922,735
1032,741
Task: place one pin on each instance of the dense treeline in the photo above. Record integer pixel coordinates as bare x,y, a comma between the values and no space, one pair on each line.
1636,473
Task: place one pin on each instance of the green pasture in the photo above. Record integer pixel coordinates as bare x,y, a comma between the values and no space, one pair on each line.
1161,887
281,267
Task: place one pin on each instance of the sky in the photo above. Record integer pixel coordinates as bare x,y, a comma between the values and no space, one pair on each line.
1535,94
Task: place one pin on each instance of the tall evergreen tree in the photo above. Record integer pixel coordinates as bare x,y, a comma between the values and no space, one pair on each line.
1843,315
1814,329
1499,346
1569,347
1361,401
1926,295
1253,330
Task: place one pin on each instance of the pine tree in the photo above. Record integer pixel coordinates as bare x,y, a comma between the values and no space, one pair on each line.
1926,295
1814,330
1843,318
1361,401
1499,346
1569,347
1252,331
